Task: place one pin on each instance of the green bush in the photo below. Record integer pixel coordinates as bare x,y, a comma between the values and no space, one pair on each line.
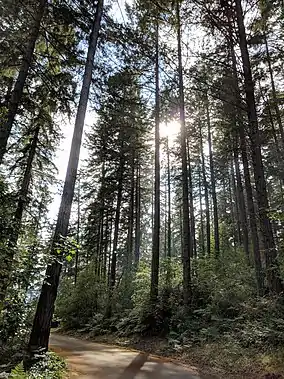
51,366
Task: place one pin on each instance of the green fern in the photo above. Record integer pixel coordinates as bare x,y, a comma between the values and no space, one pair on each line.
18,372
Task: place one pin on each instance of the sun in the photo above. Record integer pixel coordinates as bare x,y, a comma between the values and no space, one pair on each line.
170,129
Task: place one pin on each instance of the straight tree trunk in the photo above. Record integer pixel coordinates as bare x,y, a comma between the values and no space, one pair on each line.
41,326
157,221
235,206
185,201
242,205
274,97
137,219
191,207
272,269
206,193
17,93
169,239
169,224
131,218
213,183
202,241
112,277
78,231
238,121
274,133
7,260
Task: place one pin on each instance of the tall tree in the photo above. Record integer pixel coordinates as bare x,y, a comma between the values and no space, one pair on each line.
17,93
273,275
157,180
186,240
41,327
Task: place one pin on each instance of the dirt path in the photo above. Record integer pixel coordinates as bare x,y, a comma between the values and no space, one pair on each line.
90,360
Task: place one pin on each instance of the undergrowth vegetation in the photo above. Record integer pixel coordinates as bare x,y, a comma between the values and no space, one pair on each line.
51,366
225,318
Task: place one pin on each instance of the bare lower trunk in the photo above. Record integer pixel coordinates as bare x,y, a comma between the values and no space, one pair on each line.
156,231
242,205
191,208
213,183
206,193
202,241
185,192
169,225
112,278
137,218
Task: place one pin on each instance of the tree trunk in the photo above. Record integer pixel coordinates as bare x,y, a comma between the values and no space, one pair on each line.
169,239
156,231
213,182
78,232
202,242
16,96
235,206
169,220
191,207
206,193
185,200
242,205
274,97
248,185
41,326
7,260
137,219
131,217
272,269
112,277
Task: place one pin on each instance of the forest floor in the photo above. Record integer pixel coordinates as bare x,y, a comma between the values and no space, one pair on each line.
209,361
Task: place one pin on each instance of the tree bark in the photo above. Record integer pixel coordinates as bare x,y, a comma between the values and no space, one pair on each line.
78,232
169,226
17,93
206,194
131,217
202,241
191,208
7,260
112,277
137,219
213,182
235,207
185,200
248,186
157,221
272,269
273,88
169,220
41,326
242,205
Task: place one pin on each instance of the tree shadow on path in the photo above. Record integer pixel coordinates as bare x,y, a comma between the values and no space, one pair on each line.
134,367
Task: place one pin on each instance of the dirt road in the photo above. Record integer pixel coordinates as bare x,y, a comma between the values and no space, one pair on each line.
89,360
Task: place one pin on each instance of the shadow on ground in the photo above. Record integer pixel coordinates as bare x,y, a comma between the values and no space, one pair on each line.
90,360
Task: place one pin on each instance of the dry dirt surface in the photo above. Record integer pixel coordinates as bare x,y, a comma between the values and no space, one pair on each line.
89,360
